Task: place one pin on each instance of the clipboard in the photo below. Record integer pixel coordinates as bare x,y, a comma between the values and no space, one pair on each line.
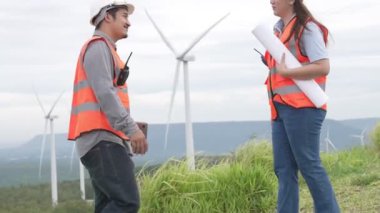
143,126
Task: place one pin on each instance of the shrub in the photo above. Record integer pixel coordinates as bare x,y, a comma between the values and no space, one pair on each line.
255,152
375,136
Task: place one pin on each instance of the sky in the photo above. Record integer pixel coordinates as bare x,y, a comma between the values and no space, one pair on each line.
41,39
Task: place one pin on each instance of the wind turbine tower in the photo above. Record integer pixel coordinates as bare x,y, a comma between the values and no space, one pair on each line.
49,119
183,59
81,174
81,181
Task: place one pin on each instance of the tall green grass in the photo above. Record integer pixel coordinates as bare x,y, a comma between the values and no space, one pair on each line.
354,161
242,183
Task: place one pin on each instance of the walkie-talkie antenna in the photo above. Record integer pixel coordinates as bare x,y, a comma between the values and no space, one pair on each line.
258,52
262,57
128,60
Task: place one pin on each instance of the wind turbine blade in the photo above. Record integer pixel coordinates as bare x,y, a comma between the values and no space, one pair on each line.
202,35
332,145
42,148
72,157
175,83
163,37
363,132
328,133
39,101
55,103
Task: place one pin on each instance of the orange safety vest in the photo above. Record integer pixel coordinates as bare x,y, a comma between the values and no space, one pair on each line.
86,114
281,89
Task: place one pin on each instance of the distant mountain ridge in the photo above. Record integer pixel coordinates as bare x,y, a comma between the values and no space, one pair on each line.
210,138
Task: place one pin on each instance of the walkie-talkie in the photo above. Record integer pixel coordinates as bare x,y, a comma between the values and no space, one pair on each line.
262,57
124,73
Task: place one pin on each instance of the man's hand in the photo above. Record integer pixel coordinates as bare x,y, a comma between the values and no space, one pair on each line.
139,143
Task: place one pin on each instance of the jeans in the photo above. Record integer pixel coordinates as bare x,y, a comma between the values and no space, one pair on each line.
295,138
112,174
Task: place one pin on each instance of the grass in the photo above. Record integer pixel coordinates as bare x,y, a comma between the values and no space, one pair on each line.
240,182
230,186
36,199
355,175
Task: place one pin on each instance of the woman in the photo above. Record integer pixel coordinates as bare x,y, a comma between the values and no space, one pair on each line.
296,122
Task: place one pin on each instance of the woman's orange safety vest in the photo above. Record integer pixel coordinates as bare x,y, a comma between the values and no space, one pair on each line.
86,114
284,90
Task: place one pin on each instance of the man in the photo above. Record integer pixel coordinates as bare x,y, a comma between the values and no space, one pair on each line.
100,120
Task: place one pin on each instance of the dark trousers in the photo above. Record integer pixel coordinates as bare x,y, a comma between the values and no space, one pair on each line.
295,137
112,174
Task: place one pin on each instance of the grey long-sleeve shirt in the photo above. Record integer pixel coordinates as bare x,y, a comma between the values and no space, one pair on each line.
99,67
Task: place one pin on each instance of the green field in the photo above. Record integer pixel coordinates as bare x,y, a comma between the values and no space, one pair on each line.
240,182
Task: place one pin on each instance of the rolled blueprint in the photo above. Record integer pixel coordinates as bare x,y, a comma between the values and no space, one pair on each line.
276,48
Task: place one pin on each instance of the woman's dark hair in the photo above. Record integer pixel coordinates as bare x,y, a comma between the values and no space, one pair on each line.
303,16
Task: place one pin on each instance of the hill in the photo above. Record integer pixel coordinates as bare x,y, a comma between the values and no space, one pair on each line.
19,165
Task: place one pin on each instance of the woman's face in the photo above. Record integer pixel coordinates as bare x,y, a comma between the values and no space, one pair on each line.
282,8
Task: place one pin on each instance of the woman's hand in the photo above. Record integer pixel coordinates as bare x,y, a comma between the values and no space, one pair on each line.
281,67
304,72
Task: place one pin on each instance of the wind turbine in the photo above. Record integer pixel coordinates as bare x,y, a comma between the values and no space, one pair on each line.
49,118
328,142
183,58
361,136
81,174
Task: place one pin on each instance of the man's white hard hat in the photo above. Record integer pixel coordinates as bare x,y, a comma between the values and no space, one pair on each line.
99,9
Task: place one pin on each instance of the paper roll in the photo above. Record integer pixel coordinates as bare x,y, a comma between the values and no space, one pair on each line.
276,48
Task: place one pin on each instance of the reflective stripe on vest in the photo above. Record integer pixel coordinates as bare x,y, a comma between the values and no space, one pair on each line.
282,89
86,112
85,107
286,90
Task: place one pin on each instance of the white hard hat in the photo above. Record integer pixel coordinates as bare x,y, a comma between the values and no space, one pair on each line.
100,7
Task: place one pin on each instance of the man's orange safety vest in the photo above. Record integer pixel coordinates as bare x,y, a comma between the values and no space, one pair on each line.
284,90
86,113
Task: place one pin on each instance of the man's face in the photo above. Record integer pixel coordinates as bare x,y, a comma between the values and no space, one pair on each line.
120,24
